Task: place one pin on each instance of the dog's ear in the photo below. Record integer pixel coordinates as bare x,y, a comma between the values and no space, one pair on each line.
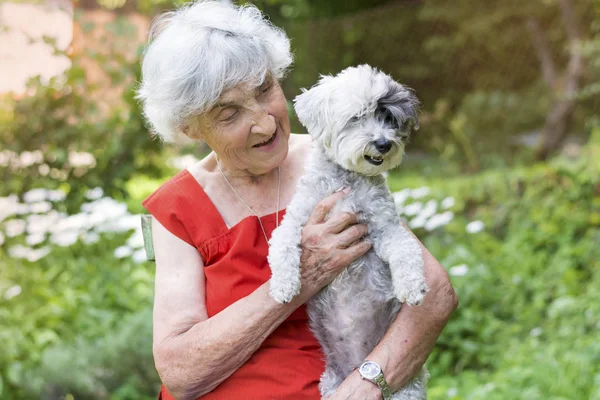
312,107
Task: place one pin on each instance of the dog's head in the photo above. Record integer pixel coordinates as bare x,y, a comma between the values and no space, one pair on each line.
361,117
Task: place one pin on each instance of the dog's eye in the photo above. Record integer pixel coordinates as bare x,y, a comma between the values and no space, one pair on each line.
388,118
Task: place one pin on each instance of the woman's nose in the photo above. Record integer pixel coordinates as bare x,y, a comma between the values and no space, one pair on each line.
264,123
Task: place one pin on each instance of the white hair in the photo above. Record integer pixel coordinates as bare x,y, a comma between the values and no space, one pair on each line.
200,50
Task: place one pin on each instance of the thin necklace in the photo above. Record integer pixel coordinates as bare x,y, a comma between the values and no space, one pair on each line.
250,208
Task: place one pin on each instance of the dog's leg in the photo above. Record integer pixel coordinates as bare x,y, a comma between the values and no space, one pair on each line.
414,389
395,245
284,246
330,380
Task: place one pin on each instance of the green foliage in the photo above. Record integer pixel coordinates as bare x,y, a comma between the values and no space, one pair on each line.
529,307
62,119
81,324
529,301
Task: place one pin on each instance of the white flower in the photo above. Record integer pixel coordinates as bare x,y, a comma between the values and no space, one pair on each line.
417,222
122,224
96,219
448,202
6,157
35,255
81,159
439,220
8,206
94,194
34,239
29,158
73,222
90,237
420,192
413,209
44,169
459,270
35,195
535,332
44,223
110,208
139,256
13,291
56,195
136,240
429,210
123,251
401,196
40,207
19,251
64,238
22,209
14,227
475,227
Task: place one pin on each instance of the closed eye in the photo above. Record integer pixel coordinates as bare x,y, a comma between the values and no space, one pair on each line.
228,114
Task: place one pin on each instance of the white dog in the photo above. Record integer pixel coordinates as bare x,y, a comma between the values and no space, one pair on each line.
360,121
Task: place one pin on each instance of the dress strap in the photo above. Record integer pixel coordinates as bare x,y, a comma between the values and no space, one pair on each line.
206,220
182,207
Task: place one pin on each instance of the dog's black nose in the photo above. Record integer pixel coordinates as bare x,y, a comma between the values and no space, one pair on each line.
383,145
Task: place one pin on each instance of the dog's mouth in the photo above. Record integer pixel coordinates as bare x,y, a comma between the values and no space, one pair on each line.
374,160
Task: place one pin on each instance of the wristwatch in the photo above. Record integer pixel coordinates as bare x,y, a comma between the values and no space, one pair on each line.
371,371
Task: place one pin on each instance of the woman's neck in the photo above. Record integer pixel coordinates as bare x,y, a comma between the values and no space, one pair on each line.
244,176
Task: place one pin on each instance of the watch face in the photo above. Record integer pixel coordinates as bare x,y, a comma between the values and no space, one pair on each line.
370,370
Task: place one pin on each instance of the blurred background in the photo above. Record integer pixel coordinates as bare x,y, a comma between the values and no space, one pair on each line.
501,183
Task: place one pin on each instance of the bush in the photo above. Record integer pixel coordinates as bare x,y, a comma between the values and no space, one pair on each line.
527,277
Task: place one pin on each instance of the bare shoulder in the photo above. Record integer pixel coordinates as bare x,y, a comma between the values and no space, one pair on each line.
204,170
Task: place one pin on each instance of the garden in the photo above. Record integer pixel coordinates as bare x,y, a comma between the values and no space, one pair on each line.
516,224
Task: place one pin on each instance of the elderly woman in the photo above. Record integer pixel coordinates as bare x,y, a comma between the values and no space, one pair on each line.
211,72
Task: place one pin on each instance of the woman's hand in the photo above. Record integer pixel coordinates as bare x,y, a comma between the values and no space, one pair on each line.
329,246
356,388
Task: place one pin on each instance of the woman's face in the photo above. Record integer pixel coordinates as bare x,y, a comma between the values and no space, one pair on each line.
249,127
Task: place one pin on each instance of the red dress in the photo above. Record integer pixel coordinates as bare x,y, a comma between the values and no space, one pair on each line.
289,363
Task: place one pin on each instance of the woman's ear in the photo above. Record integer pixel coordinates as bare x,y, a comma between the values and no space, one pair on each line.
193,129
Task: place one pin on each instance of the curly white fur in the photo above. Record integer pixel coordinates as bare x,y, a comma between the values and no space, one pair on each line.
360,120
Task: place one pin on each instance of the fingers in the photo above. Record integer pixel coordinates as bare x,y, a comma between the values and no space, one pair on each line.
352,235
324,207
341,221
356,250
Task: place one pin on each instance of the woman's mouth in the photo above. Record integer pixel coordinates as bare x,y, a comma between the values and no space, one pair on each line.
266,142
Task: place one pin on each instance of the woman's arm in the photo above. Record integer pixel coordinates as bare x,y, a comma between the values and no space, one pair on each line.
410,339
194,353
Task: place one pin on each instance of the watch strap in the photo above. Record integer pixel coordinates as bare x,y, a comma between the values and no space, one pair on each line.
382,383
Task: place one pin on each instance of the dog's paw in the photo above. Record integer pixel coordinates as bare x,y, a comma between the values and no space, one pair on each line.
284,290
412,293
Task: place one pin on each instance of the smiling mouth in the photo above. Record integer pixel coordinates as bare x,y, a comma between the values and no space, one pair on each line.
266,142
374,160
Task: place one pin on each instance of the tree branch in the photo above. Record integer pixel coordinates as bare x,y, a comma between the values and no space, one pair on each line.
542,49
574,71
569,20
